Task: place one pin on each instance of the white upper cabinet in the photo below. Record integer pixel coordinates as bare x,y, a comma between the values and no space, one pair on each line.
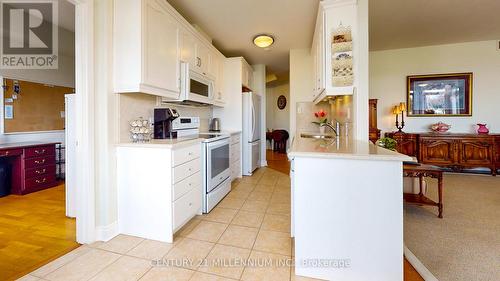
146,48
335,49
150,40
246,74
203,59
217,68
161,49
188,50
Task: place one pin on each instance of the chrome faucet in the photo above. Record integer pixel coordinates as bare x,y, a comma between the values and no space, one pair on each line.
336,130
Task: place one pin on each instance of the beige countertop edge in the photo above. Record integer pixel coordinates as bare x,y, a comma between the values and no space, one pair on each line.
161,143
351,156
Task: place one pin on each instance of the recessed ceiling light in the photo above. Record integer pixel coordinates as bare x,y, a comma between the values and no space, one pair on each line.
263,40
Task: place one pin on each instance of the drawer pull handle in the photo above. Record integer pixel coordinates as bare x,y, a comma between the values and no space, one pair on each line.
40,161
190,153
189,169
6,153
40,151
41,171
41,181
190,204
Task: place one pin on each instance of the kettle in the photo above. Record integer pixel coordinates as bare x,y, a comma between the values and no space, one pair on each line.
215,125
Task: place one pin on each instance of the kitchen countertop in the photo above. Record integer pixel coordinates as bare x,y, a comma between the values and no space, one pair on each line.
166,143
342,149
224,132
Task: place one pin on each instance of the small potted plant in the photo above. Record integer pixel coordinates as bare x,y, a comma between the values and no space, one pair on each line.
387,143
322,120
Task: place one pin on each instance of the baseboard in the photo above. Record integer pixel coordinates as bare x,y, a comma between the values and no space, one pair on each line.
263,163
107,232
419,266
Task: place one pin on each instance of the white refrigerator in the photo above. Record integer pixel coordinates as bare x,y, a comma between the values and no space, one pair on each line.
251,132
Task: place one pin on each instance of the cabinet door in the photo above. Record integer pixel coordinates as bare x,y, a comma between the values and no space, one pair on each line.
188,50
203,58
214,65
161,50
219,80
438,152
244,75
476,152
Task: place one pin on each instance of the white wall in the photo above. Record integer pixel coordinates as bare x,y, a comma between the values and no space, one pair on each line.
301,83
278,118
135,105
388,71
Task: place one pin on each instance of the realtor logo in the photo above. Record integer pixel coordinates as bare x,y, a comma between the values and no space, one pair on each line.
29,34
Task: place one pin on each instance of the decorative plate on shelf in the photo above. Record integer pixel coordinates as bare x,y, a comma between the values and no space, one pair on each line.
281,102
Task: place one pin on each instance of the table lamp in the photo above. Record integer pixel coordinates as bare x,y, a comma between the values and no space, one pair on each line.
400,108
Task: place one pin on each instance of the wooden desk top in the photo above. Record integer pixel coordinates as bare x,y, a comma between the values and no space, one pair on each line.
25,144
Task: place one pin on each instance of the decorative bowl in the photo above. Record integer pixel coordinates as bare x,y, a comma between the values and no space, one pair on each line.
440,127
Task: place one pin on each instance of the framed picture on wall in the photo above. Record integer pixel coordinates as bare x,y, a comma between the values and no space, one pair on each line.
440,95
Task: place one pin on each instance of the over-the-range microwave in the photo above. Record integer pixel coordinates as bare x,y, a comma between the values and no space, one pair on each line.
195,87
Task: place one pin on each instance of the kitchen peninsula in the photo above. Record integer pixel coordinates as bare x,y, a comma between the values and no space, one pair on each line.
347,209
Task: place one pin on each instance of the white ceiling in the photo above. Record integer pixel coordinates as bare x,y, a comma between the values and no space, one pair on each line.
232,24
403,24
393,24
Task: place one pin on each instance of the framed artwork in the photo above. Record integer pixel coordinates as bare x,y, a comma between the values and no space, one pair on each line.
440,95
281,102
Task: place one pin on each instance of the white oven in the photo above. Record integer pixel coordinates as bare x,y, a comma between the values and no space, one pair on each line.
217,172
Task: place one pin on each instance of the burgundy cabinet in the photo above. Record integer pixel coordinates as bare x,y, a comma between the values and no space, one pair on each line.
33,166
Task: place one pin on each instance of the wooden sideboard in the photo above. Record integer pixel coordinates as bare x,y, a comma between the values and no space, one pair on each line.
374,132
455,151
33,165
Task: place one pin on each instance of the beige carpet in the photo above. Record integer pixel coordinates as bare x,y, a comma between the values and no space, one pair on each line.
465,244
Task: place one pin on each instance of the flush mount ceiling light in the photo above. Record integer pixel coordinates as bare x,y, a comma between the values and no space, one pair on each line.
263,40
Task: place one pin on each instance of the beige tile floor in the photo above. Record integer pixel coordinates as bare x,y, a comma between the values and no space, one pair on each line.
252,225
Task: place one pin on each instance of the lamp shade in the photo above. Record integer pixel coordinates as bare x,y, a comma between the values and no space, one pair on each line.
402,107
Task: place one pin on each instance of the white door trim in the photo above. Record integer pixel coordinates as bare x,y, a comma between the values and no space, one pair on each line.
84,89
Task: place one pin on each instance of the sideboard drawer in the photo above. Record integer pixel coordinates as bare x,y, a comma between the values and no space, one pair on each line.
39,151
10,152
186,207
40,161
34,183
185,170
40,171
185,185
185,154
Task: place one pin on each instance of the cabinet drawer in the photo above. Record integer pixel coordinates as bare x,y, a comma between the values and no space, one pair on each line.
33,183
185,185
235,169
10,152
185,170
39,151
235,139
235,152
185,154
40,171
186,207
40,161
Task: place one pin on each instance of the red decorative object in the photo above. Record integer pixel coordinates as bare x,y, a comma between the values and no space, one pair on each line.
482,129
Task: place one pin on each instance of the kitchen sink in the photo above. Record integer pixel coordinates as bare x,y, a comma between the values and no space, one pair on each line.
317,136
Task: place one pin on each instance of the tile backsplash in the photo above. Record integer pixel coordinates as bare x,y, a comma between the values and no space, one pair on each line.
135,105
339,109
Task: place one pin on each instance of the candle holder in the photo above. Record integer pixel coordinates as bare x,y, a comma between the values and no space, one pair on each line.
397,109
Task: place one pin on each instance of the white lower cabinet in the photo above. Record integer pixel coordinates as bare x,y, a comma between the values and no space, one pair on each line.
159,188
235,156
